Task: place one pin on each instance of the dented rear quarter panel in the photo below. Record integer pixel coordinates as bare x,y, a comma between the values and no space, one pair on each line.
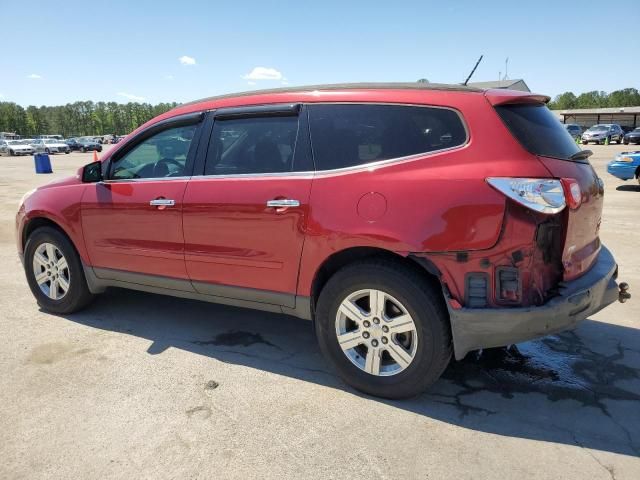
435,204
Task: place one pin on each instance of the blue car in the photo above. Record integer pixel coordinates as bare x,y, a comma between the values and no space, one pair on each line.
625,165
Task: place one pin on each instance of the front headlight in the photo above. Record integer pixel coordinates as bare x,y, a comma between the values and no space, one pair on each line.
625,159
24,197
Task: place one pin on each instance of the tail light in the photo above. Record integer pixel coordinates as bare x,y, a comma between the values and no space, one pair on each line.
544,195
572,192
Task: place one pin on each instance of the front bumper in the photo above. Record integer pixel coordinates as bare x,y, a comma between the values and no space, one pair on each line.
622,170
476,328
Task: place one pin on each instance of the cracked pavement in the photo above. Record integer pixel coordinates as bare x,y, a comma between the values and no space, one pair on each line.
143,386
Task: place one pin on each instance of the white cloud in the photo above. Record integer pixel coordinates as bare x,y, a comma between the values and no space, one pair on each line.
130,96
1,95
251,83
186,60
34,76
263,73
168,77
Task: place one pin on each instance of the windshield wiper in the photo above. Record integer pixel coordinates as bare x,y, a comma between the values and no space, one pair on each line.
581,155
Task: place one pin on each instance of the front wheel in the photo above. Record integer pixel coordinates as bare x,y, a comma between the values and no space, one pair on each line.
46,150
385,329
54,272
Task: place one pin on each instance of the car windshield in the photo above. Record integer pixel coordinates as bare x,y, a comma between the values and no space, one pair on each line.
51,140
599,128
637,130
14,142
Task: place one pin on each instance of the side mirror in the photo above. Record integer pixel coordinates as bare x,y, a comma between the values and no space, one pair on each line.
92,172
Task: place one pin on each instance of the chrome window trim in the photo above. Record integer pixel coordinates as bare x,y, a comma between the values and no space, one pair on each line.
364,166
120,180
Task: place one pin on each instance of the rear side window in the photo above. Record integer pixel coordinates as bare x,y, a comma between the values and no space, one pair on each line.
538,130
350,135
252,146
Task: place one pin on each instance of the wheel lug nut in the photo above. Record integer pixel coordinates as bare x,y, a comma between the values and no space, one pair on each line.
365,334
385,329
366,324
376,321
374,343
384,340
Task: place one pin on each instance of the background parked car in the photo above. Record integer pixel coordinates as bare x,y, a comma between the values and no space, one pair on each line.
48,145
88,143
574,130
15,147
625,166
632,137
73,144
611,132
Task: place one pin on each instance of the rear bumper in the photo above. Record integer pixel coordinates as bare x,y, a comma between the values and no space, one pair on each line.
476,328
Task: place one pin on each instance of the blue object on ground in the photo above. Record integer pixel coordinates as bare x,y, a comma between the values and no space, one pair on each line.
43,164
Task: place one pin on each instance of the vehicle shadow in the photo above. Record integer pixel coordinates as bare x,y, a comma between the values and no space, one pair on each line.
628,188
579,388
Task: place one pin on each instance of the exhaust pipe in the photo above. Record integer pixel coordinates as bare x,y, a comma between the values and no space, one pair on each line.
624,294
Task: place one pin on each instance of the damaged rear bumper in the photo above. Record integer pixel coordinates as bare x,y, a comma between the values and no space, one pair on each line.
476,328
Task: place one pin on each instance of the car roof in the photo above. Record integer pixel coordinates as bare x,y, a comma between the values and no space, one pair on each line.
344,86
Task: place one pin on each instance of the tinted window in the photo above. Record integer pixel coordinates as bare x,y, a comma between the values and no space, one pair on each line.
252,145
349,135
162,155
538,130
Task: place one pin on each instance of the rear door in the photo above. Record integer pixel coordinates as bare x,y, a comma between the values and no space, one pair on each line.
244,219
540,132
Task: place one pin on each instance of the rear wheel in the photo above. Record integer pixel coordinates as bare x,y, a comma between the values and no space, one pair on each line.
11,153
384,328
54,272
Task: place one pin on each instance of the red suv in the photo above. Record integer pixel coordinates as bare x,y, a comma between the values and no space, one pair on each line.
409,222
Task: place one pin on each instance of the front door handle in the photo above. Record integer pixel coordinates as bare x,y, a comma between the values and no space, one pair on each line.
283,203
162,203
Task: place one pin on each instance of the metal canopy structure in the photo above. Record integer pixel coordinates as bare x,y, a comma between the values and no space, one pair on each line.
586,117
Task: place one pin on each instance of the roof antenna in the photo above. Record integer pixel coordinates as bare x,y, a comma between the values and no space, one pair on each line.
474,69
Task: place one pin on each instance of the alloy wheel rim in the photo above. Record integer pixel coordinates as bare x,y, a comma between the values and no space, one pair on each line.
376,332
51,271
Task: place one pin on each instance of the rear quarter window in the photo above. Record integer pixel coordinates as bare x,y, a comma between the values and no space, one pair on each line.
538,130
350,135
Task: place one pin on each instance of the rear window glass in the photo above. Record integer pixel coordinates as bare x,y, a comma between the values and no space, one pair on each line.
350,135
538,130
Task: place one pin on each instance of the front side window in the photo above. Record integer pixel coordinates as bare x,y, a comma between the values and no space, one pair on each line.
350,135
252,146
161,155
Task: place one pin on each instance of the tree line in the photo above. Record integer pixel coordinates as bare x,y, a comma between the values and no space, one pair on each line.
627,97
78,118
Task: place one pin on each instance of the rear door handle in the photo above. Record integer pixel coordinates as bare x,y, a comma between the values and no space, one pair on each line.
283,203
162,202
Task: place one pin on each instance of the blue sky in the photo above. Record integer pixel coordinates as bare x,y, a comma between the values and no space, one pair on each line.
61,51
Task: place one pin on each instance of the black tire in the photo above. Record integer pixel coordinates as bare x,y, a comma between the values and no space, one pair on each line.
83,150
78,296
584,142
11,153
46,150
423,302
626,142
67,152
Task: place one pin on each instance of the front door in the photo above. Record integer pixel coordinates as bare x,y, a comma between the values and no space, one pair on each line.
132,221
244,220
